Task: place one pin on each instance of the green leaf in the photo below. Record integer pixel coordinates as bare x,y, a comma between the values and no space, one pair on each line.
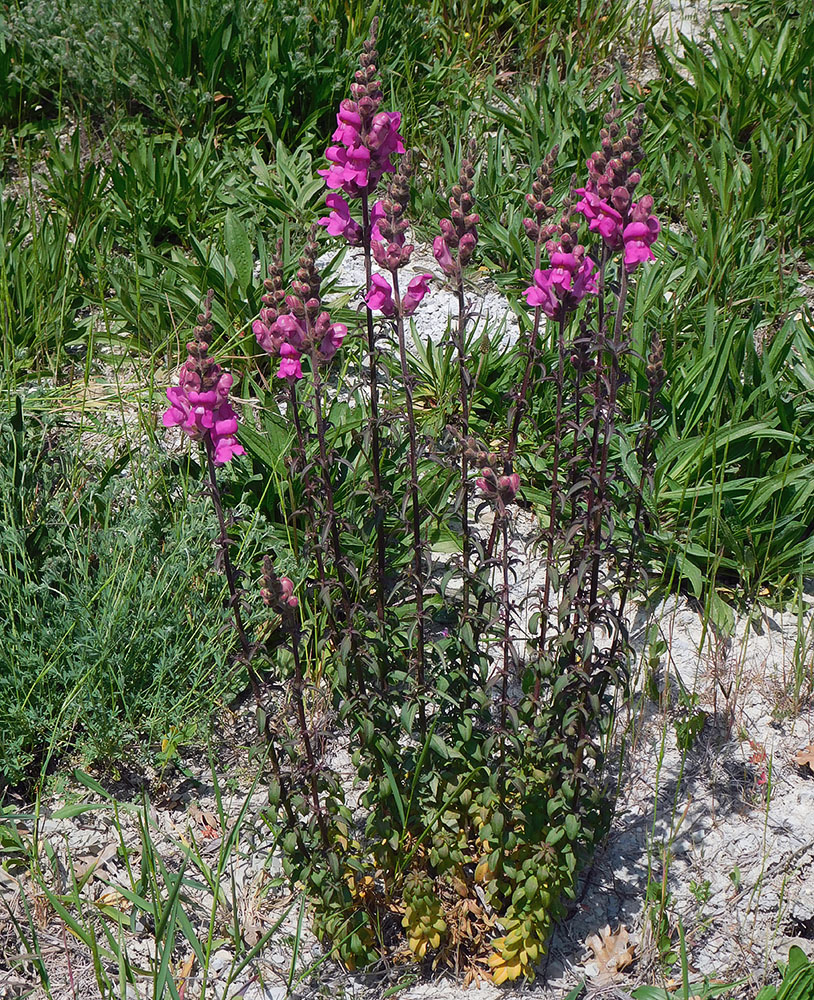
238,248
394,788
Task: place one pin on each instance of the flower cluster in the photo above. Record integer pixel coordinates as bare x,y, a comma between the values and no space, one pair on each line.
560,288
459,235
607,198
200,402
294,324
380,296
494,487
366,140
391,251
277,591
501,488
341,223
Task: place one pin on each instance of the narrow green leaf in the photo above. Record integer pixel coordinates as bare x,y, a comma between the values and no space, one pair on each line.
238,248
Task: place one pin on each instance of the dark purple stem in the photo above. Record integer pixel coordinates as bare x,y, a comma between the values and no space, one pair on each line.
229,570
375,440
418,566
464,393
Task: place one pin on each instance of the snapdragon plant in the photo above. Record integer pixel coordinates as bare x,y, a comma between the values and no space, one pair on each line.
475,728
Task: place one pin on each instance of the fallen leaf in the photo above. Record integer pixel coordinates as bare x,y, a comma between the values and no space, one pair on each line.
112,897
86,865
805,758
612,951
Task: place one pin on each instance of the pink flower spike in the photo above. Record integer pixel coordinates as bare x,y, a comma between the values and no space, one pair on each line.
380,296
416,291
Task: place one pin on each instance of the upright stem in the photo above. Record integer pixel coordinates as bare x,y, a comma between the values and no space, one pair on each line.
555,473
418,567
293,402
464,392
520,403
375,441
515,418
613,390
299,687
635,531
517,411
504,519
229,571
333,525
599,394
531,360
234,601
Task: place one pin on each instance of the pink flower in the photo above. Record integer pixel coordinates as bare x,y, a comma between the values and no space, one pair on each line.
640,234
563,266
277,591
290,364
201,412
348,123
339,222
328,335
440,251
363,152
416,291
380,296
602,217
349,170
495,487
292,329
542,294
287,592
562,287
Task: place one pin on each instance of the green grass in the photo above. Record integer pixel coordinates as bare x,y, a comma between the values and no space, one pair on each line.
112,628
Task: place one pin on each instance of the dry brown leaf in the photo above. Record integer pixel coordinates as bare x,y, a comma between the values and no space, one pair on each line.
112,897
805,758
612,951
87,864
